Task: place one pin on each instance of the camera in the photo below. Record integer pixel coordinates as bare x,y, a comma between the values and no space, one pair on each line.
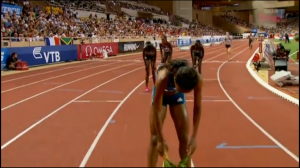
281,52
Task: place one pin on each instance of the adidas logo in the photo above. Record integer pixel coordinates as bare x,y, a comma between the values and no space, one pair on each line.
179,99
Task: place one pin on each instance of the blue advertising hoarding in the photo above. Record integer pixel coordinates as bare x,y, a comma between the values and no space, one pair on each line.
4,56
205,39
45,55
184,41
5,8
254,31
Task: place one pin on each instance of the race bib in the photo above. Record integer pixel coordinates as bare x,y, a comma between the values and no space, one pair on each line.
150,53
166,49
198,53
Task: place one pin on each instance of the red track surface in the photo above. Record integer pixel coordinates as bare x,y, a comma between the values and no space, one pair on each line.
42,124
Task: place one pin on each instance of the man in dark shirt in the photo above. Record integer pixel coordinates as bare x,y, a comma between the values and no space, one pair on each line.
287,38
12,61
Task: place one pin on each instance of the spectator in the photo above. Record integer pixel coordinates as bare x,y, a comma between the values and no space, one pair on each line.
15,38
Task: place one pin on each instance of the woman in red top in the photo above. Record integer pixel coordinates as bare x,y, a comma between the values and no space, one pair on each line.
165,50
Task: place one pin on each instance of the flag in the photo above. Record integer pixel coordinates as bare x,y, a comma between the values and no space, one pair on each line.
52,41
66,41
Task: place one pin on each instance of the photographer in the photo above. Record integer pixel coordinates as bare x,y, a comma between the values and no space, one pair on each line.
11,62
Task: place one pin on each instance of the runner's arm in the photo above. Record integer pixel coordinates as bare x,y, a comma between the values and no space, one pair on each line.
202,48
144,55
155,54
160,85
197,107
160,48
171,48
191,50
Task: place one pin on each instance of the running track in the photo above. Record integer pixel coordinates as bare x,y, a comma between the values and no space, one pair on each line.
47,119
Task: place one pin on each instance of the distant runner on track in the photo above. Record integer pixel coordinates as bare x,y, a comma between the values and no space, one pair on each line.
250,41
227,41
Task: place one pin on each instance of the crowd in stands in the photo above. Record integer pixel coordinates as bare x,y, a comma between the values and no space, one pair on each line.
133,7
236,21
204,30
290,25
174,20
35,23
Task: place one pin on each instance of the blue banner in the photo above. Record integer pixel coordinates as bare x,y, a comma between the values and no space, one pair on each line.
184,41
262,34
205,39
254,31
4,56
209,39
46,54
5,8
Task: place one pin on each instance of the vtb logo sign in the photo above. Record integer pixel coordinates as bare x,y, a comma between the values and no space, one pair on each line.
2,56
38,54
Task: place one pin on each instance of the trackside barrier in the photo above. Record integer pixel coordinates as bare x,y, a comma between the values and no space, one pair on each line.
184,42
35,56
131,46
281,37
43,55
210,40
4,56
86,51
157,42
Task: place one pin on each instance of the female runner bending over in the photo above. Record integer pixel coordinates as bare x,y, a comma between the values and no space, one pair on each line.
166,50
197,54
173,80
149,56
228,40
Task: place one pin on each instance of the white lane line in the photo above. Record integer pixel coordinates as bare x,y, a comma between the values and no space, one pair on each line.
58,76
32,83
100,133
42,73
28,98
90,63
73,81
61,107
97,101
296,158
102,129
